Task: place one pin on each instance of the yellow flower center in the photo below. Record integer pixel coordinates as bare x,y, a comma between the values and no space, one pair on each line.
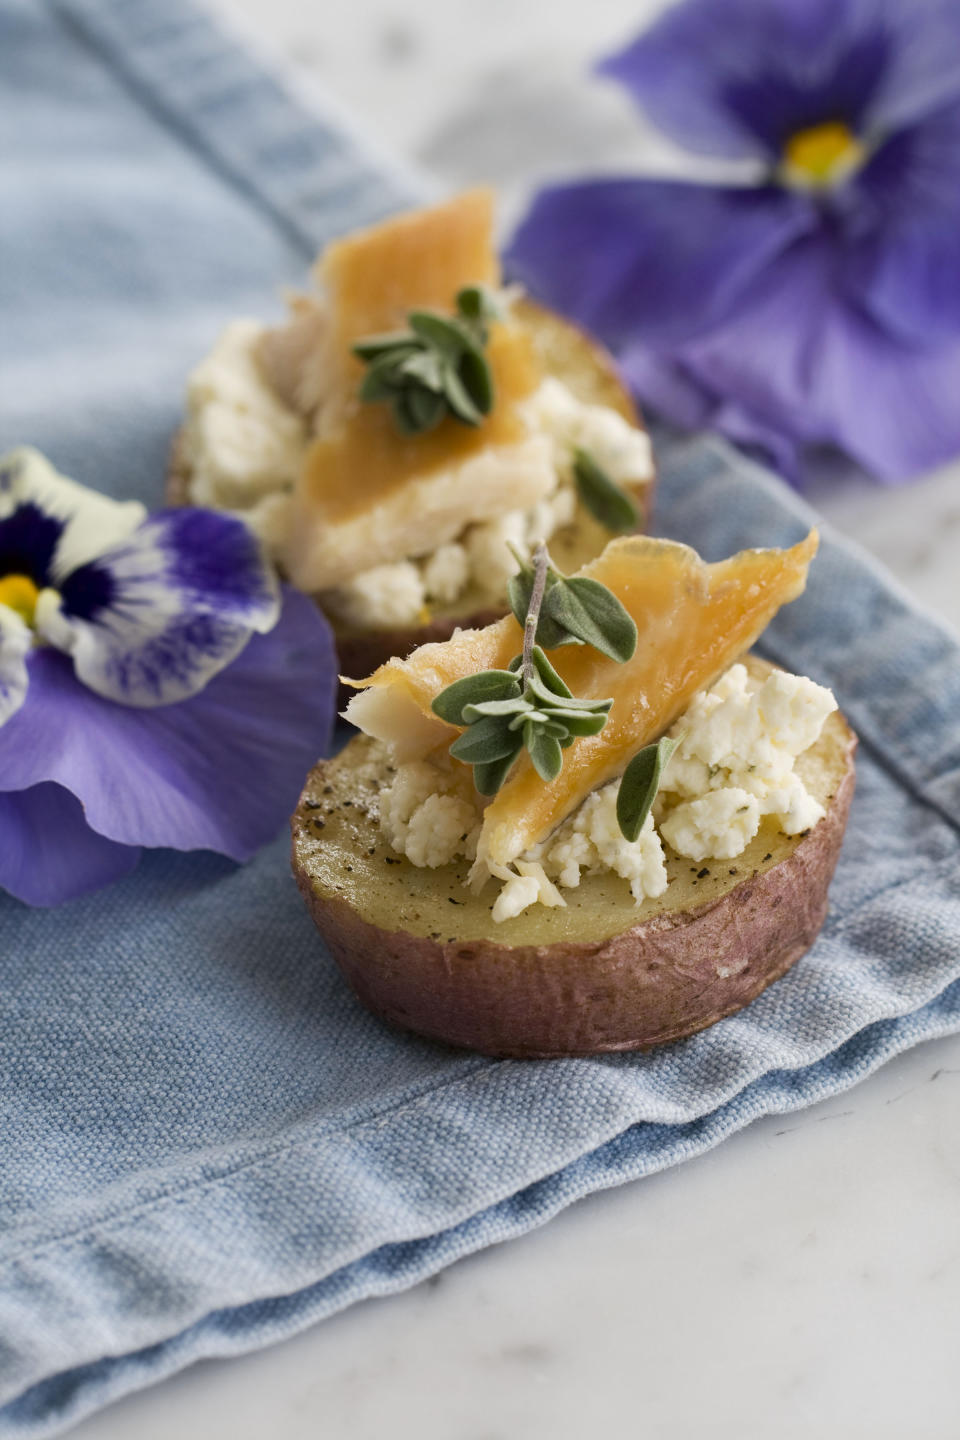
20,594
822,154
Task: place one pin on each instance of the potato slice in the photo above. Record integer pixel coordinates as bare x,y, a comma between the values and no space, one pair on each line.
602,974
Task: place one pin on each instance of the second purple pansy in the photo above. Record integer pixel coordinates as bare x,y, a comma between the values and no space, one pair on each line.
820,305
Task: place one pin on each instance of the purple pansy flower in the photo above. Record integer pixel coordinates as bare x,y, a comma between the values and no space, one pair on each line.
157,688
819,304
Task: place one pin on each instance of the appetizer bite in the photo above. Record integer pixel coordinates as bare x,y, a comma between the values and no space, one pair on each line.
411,430
590,826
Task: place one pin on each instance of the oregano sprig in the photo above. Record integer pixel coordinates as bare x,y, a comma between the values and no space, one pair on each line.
527,706
573,610
437,367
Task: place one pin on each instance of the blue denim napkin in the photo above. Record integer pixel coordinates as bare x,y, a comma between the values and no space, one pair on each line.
206,1143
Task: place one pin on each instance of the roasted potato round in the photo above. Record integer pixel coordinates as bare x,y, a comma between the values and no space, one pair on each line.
602,974
573,357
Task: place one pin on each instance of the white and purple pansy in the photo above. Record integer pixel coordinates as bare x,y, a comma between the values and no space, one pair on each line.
148,607
158,687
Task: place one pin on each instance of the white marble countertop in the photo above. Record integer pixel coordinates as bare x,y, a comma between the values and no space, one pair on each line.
803,1279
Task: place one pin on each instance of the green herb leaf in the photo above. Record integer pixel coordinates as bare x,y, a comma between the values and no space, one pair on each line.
579,723
477,305
439,356
489,777
459,398
592,614
519,589
383,378
603,497
639,786
425,367
408,415
474,690
371,346
494,707
425,410
477,378
485,740
549,676
545,752
444,337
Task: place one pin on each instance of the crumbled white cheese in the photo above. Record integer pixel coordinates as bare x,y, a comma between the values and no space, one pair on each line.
549,515
241,442
744,739
491,563
527,884
734,766
430,814
445,573
384,595
439,829
518,893
621,449
717,826
591,839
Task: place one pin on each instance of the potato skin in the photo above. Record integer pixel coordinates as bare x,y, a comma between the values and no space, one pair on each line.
565,351
658,981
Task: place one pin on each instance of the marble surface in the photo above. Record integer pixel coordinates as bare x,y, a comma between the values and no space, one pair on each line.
803,1279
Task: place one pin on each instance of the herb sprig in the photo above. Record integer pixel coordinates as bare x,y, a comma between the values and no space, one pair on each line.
572,610
529,707
438,367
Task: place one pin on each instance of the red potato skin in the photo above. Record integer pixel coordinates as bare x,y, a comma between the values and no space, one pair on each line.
656,982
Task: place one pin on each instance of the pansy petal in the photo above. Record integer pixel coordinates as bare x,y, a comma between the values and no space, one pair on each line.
49,854
651,260
668,388
150,621
904,221
736,78
807,362
54,523
16,642
221,771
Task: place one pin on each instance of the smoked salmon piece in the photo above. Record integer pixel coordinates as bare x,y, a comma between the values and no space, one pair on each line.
368,494
693,621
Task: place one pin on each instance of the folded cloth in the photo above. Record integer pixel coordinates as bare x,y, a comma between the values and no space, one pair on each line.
207,1143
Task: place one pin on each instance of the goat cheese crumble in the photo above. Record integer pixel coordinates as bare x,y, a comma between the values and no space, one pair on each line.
739,742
